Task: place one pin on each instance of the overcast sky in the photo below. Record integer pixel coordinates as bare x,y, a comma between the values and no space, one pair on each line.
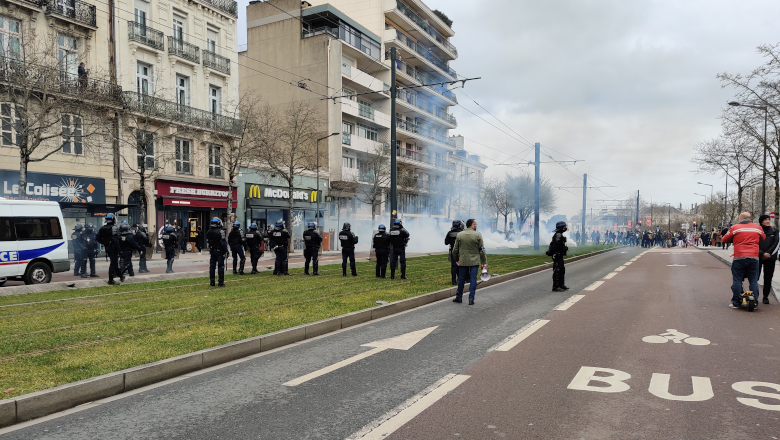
627,86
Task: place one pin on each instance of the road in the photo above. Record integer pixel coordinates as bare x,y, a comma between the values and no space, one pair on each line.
537,388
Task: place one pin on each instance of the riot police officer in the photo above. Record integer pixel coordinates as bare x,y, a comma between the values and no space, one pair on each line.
312,241
236,241
279,241
170,240
108,236
127,245
90,251
218,248
557,250
78,249
141,237
399,237
348,242
457,227
381,243
254,241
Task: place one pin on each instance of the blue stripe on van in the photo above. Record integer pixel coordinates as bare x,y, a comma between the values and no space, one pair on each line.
35,253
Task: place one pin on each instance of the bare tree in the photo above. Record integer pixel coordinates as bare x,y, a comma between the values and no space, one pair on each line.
521,196
497,197
732,153
47,107
374,178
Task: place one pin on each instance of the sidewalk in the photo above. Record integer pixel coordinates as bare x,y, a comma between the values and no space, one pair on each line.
726,255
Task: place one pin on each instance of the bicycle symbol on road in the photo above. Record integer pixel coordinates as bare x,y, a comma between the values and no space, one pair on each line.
676,337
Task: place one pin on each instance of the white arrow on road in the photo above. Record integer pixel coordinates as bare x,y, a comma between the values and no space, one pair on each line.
402,342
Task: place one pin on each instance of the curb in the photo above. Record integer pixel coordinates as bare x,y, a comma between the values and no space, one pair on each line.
727,261
45,402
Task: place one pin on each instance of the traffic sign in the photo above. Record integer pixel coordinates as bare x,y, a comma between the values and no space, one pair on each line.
772,215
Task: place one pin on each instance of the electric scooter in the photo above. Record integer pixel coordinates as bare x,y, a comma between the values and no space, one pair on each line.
749,300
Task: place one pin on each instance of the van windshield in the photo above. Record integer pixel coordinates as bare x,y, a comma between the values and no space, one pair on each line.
38,228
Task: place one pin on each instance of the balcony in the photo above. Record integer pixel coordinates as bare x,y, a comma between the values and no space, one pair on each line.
422,78
424,132
366,81
426,28
36,5
74,11
228,6
216,62
424,53
346,138
415,156
170,111
376,117
365,111
145,35
439,112
184,50
367,46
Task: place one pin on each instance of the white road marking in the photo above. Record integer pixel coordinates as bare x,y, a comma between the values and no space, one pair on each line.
594,286
401,415
627,264
676,265
569,302
620,268
521,335
702,388
402,342
610,275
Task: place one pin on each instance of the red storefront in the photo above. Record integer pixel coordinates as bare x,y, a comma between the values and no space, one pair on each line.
191,205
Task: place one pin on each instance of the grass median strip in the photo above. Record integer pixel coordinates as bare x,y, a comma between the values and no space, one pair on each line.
53,338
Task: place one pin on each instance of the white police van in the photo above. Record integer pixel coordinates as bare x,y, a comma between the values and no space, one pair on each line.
33,244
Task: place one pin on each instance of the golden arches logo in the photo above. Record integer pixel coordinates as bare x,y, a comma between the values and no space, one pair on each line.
254,192
313,196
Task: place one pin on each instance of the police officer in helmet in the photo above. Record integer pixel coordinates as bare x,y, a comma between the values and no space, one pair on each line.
312,240
142,238
254,241
170,240
91,249
218,248
399,237
449,240
557,250
127,245
381,243
279,241
108,236
236,241
78,250
348,242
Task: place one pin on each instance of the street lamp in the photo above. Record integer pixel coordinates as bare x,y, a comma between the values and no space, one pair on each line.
726,194
317,214
763,174
705,201
711,187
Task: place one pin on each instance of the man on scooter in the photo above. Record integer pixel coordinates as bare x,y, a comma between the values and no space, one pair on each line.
746,236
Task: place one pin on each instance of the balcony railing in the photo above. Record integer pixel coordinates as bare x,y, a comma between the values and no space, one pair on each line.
346,138
425,53
426,159
228,6
167,110
423,131
407,11
35,3
366,111
439,112
183,49
78,11
346,70
216,62
145,35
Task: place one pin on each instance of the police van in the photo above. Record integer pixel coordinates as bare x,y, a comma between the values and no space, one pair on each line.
33,244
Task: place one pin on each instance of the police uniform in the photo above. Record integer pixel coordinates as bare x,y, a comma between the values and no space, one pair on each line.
381,243
279,240
399,237
348,242
236,242
90,251
312,241
108,236
218,248
449,240
254,241
142,238
78,250
127,245
169,240
557,250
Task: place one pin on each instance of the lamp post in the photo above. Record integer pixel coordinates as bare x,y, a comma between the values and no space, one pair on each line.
726,194
705,200
763,173
317,214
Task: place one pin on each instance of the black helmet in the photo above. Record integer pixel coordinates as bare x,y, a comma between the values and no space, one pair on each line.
279,225
215,222
312,226
124,228
458,224
253,226
78,227
346,227
89,227
382,228
110,220
168,228
236,224
560,226
397,224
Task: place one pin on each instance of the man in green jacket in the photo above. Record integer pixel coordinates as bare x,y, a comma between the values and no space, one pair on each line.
469,253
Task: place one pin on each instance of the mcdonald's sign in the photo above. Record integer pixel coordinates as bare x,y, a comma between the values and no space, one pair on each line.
259,192
254,192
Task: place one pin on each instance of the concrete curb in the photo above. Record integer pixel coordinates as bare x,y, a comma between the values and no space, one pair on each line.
727,261
52,400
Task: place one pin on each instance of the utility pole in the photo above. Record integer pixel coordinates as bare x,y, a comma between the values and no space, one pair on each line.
584,199
636,220
537,170
393,140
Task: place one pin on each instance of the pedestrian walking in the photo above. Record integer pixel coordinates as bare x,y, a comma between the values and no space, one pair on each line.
279,242
169,240
449,240
746,237
312,240
142,239
469,253
557,251
108,236
91,250
348,241
254,241
218,248
127,245
381,243
237,241
767,252
399,238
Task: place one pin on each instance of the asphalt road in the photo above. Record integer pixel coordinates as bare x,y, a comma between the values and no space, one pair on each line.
247,399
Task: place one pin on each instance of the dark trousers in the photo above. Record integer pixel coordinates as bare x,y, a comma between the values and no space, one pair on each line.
88,256
768,266
454,268
142,260
467,273
78,262
127,263
238,254
741,269
113,266
170,254
559,271
398,253
217,260
280,265
381,263
348,254
254,256
312,256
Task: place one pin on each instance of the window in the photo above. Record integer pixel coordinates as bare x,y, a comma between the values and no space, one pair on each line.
215,99
38,228
143,78
182,90
145,149
212,40
183,157
215,161
178,27
347,127
367,132
67,55
9,38
349,93
6,230
347,162
71,135
11,123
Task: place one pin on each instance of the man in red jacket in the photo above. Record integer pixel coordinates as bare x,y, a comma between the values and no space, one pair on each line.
745,235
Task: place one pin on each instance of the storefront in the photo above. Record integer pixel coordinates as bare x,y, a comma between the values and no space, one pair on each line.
267,204
191,206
